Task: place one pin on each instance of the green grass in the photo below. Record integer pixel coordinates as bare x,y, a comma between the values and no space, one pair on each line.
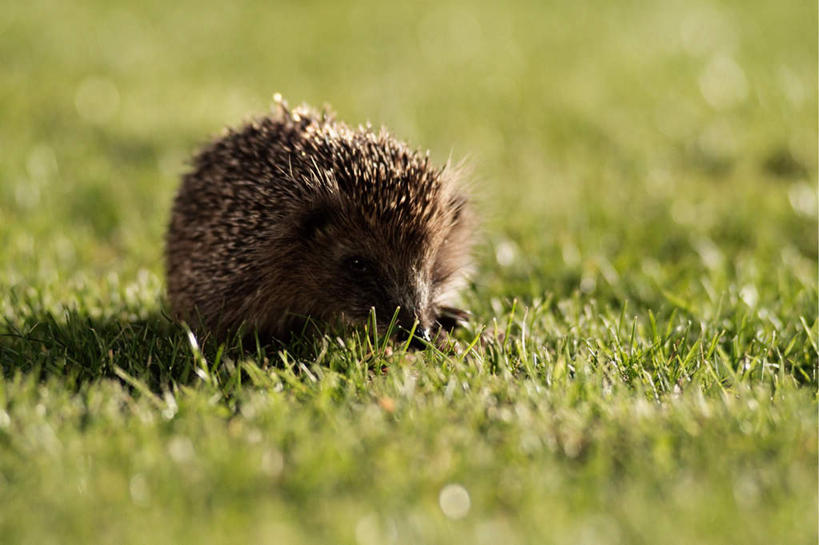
644,366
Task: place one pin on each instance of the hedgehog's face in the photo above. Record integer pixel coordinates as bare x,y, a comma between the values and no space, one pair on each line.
397,286
357,265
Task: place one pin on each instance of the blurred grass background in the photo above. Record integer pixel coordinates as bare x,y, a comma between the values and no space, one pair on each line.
696,116
653,160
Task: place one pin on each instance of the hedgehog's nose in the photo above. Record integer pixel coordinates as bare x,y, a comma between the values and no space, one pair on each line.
409,317
421,338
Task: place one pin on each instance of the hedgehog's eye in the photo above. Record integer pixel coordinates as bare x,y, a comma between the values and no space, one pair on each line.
357,265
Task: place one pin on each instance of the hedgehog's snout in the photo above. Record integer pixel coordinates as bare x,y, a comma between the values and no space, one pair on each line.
412,317
420,335
420,339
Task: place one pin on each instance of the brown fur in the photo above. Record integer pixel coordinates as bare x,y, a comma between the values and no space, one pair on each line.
297,215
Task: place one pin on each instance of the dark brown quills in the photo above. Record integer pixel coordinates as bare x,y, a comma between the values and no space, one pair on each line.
297,216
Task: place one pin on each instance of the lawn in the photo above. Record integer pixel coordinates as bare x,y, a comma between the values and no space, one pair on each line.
641,361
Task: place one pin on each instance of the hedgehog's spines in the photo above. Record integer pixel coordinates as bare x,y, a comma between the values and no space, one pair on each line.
236,244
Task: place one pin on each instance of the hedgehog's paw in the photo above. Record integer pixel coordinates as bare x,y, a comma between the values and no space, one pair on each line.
450,317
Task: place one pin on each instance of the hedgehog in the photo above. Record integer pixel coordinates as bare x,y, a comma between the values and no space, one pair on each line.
297,218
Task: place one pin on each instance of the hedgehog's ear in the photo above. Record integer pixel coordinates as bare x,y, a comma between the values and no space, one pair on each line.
313,221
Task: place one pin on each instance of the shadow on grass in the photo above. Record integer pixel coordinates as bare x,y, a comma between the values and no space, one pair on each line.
160,354
78,348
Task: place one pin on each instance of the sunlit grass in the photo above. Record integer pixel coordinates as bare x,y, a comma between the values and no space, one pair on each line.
641,362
